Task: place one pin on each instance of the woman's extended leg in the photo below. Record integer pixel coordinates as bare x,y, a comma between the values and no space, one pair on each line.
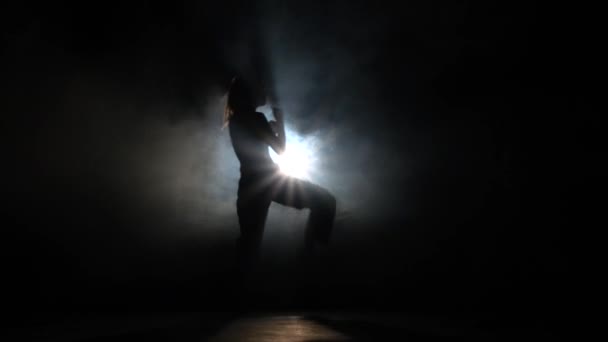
252,218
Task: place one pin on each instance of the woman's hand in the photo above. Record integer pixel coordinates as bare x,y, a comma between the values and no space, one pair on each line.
278,128
278,114
274,126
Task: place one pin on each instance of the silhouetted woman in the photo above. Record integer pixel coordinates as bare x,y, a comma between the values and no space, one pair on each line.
261,182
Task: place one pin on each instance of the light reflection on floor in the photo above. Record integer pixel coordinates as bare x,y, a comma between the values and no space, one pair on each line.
277,329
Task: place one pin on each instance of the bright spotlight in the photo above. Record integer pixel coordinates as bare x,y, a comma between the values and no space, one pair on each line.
298,158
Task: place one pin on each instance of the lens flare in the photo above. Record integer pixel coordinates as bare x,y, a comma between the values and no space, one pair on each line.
298,158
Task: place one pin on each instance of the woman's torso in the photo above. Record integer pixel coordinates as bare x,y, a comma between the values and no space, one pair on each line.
246,133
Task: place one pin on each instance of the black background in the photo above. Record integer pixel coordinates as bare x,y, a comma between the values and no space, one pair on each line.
496,103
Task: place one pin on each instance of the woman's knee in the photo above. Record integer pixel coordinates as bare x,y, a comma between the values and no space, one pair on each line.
325,201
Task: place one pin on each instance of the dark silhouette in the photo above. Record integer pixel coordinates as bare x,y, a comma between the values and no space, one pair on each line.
261,182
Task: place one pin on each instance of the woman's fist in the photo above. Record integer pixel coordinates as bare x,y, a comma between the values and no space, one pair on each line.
277,113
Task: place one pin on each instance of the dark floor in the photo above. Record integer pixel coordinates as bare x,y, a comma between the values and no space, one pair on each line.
284,326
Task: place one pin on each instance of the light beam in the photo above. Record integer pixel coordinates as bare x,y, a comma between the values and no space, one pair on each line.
298,159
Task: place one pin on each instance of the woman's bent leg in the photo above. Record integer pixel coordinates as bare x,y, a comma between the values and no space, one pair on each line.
301,194
321,219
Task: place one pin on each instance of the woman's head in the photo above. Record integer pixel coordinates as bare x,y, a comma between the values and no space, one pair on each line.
243,97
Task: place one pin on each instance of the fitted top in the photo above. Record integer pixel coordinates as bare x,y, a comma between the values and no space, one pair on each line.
248,132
